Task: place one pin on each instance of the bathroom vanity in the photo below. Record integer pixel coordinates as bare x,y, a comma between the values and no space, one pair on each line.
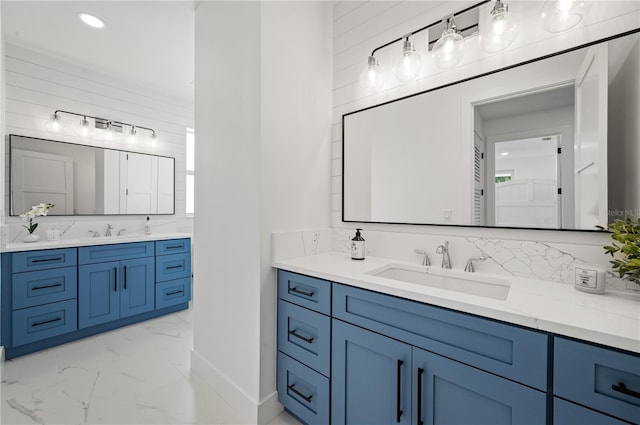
58,292
355,346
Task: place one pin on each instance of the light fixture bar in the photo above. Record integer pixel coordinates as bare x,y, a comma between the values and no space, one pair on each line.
103,123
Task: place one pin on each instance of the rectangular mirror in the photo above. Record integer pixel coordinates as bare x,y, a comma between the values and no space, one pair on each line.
553,143
88,180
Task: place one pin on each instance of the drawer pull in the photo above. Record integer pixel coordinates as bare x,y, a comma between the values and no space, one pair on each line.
37,288
307,398
419,419
174,247
398,392
174,292
297,335
298,291
46,321
174,267
46,260
622,388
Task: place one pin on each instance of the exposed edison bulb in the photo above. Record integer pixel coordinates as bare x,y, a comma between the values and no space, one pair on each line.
85,127
109,133
54,124
372,77
131,135
499,30
449,49
562,15
407,66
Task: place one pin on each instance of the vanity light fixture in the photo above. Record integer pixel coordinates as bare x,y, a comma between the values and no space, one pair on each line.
408,64
91,20
111,128
562,15
499,30
450,47
372,77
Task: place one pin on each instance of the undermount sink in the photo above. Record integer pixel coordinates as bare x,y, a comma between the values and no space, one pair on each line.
474,284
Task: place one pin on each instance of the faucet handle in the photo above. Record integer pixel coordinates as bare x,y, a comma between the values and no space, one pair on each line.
121,232
94,233
470,267
425,260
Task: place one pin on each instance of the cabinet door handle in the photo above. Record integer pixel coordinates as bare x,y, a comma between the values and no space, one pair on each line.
622,388
46,260
115,279
398,392
307,398
125,278
45,322
420,373
297,335
298,291
37,288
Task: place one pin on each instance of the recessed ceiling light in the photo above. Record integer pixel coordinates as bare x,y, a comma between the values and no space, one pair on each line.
91,20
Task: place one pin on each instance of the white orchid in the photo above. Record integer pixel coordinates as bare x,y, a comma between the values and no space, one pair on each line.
35,211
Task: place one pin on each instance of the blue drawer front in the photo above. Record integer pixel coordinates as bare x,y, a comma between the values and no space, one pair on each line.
176,266
567,413
504,350
46,259
595,377
306,291
44,286
123,251
173,292
173,246
305,335
45,321
303,391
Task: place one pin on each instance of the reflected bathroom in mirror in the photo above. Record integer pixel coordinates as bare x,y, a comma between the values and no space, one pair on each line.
88,180
553,143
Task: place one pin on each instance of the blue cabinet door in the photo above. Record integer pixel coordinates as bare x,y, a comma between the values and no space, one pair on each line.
371,380
137,286
448,392
98,296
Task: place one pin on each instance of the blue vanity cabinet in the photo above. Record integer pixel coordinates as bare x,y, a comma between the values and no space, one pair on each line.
110,290
173,272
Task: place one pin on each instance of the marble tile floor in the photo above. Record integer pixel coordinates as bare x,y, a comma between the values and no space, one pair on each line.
135,375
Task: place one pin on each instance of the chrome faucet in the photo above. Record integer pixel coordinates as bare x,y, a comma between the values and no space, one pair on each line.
94,233
469,267
109,228
121,232
425,259
444,250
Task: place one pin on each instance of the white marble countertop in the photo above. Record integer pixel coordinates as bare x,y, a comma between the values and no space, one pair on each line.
70,243
611,319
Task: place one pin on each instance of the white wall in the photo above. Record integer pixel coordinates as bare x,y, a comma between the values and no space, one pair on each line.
38,84
359,27
263,120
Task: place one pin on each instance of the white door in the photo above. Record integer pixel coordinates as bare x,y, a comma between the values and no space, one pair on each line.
141,185
591,140
41,178
165,185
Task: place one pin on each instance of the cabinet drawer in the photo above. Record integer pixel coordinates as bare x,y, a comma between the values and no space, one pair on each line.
45,321
305,335
173,292
46,259
567,413
173,246
502,349
174,266
122,251
306,291
303,391
43,287
602,379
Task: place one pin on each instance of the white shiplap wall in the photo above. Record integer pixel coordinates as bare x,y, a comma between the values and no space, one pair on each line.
359,27
38,84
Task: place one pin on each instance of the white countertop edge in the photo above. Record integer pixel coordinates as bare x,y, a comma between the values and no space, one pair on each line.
611,318
73,243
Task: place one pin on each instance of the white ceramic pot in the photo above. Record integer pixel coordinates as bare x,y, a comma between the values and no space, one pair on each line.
31,237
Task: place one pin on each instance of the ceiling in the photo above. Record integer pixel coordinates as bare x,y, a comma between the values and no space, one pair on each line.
149,43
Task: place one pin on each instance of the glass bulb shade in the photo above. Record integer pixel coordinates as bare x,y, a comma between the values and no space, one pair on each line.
372,77
54,124
85,127
499,31
562,15
109,133
449,49
407,66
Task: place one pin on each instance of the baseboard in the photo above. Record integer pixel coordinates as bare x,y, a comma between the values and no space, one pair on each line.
269,408
245,407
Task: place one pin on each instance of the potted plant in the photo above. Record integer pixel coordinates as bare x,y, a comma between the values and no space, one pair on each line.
28,216
625,248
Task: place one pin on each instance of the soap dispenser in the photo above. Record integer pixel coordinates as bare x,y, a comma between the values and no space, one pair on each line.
357,246
147,227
